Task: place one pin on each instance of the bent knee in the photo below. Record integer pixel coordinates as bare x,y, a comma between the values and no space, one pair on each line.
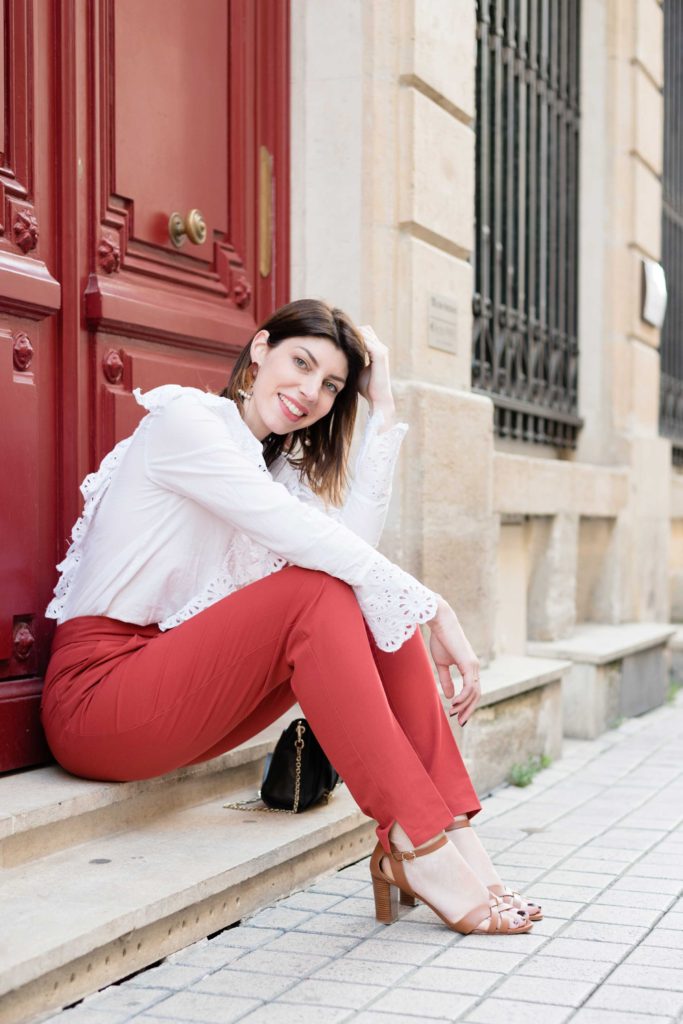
322,583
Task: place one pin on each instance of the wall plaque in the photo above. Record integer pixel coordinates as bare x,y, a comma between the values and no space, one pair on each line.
442,325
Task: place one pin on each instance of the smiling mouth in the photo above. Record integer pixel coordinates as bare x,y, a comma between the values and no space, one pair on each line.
295,411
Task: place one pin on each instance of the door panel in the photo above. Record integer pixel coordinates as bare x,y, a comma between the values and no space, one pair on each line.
116,114
29,298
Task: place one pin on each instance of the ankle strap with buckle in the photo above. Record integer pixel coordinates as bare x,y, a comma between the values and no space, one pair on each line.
400,855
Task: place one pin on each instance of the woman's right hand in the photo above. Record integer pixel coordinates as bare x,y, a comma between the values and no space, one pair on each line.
449,646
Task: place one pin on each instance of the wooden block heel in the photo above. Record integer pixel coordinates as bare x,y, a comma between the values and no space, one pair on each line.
386,904
485,919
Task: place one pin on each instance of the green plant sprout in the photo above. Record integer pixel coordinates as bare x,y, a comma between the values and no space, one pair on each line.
523,774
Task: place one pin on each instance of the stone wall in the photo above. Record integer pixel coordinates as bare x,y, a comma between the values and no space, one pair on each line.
525,542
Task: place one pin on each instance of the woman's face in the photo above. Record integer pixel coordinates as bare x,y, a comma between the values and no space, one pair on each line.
296,383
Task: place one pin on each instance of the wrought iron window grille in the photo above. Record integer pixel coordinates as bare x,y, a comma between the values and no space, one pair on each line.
525,349
671,341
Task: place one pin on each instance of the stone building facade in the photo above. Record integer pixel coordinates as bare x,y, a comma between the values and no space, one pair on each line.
544,553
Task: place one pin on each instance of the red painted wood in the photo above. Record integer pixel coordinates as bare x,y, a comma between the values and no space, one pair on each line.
116,114
30,297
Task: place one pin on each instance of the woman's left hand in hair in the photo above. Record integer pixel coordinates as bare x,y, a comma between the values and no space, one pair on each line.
375,382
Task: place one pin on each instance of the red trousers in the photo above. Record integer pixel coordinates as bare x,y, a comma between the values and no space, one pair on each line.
124,702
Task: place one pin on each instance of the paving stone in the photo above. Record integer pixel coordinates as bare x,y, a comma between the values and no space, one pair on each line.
359,870
283,1013
409,930
611,952
320,992
84,1014
658,956
312,901
363,971
245,937
502,1011
641,1000
356,906
555,991
548,926
125,1001
452,979
585,1016
341,924
619,915
665,937
571,970
425,1004
208,957
233,981
170,976
648,976
609,853
338,885
634,883
595,866
295,965
672,920
628,839
527,943
572,893
309,942
393,952
622,898
603,933
478,960
203,1007
374,1017
279,917
578,879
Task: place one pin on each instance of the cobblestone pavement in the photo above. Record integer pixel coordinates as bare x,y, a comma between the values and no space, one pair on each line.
597,837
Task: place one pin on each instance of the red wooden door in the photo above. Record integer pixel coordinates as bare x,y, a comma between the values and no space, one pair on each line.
29,301
160,108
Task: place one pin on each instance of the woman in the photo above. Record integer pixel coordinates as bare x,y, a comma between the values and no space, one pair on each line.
215,578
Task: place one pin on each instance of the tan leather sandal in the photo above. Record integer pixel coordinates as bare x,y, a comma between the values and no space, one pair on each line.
521,903
514,899
484,919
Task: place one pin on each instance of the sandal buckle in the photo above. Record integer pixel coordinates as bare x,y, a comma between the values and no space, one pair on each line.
407,855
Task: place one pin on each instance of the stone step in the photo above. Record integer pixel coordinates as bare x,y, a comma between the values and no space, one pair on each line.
46,809
90,914
617,671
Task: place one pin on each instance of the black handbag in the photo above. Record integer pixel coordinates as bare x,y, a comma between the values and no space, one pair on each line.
298,773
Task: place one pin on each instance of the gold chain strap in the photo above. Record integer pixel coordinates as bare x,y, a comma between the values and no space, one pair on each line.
250,804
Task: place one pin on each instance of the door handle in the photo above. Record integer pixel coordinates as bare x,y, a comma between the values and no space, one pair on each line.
192,227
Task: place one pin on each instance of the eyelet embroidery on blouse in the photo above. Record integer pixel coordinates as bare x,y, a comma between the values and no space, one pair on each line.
377,457
393,604
245,562
93,489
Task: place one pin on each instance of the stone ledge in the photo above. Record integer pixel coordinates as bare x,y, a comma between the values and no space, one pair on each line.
676,639
46,809
617,671
510,674
90,915
599,644
519,716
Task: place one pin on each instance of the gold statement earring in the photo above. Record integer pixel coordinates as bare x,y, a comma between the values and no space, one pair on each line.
246,395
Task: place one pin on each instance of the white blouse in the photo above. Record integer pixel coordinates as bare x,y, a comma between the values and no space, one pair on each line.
185,511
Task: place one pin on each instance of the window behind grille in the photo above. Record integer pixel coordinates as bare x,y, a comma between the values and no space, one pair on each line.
671,393
525,350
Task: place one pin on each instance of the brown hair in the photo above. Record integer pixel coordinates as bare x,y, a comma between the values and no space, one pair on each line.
320,451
